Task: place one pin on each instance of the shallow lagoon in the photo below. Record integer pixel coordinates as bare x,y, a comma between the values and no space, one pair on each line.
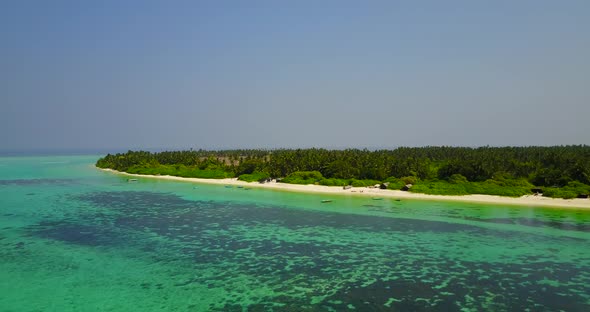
77,239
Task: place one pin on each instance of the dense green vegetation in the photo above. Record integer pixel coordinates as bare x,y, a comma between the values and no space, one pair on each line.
180,171
253,177
571,190
316,177
560,171
515,188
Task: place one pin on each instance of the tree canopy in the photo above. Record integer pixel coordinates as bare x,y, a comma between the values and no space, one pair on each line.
554,168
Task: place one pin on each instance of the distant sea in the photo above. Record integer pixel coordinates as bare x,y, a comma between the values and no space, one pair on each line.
72,152
73,238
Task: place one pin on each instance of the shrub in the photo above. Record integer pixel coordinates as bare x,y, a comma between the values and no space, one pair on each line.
394,183
303,177
409,180
489,187
457,178
571,190
181,171
334,182
253,177
439,188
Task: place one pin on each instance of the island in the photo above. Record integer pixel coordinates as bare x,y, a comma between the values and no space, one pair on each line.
536,175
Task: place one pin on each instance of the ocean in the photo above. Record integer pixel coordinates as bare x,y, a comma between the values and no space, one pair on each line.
74,238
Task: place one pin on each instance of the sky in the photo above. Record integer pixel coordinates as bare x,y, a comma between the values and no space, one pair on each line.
118,75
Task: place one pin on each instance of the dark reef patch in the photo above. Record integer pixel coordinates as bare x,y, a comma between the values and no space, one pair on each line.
249,240
80,234
35,182
533,222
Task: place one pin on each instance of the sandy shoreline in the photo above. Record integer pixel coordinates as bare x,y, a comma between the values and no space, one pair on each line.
529,200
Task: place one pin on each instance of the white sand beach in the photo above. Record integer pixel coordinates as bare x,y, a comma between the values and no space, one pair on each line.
528,200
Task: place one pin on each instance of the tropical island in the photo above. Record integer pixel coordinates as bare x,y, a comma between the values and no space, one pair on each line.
557,171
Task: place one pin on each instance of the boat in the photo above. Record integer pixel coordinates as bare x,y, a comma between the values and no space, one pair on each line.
240,186
131,180
228,186
377,198
326,200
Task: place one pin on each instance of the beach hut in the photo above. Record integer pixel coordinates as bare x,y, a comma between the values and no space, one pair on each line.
347,187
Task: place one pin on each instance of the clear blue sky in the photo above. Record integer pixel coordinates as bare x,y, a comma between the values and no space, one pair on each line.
225,74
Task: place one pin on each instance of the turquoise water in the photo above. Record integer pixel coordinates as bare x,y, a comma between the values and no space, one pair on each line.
74,238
